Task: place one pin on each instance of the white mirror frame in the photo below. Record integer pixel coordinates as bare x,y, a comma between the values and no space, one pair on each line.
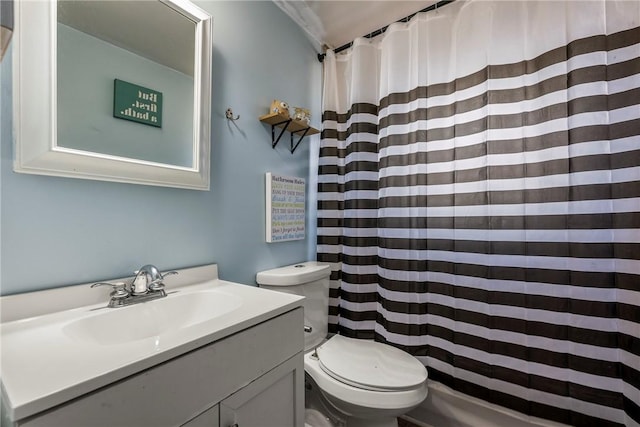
35,117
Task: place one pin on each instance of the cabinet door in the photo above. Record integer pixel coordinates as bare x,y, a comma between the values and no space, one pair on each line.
209,418
276,399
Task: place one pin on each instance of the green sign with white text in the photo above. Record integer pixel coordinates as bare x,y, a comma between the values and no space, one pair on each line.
137,103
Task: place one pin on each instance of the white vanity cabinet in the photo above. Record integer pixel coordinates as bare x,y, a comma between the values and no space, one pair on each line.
253,377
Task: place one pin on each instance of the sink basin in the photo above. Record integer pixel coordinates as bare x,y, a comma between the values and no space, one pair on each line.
61,344
110,326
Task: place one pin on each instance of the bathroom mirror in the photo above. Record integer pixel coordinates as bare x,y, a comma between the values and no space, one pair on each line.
113,90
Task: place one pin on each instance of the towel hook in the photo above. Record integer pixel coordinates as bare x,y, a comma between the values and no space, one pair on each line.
229,115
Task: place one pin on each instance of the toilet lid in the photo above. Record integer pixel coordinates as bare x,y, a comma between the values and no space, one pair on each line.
370,365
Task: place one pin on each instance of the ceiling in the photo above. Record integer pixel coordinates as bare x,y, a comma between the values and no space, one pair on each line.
137,26
337,22
333,23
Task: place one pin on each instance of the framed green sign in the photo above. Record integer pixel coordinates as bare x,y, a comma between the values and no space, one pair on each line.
137,103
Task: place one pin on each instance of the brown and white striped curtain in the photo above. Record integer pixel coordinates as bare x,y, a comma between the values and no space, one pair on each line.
479,198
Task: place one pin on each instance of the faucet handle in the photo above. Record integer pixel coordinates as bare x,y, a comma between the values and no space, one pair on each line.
157,285
168,273
119,289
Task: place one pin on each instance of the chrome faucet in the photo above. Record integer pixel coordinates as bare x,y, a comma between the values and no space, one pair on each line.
148,284
149,279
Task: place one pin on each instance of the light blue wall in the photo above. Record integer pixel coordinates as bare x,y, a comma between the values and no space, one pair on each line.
87,67
60,231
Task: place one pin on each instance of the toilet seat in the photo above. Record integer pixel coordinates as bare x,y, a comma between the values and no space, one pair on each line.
357,401
370,365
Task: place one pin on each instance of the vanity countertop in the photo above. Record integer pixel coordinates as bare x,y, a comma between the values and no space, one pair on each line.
47,360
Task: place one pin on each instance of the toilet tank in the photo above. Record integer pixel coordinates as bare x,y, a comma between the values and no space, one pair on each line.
310,280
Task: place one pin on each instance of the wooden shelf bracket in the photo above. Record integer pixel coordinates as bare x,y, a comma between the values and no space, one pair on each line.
284,125
304,133
287,124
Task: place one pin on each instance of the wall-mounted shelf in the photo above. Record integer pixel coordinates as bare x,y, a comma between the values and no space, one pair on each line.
287,124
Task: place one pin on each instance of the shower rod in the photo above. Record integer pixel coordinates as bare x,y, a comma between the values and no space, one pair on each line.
383,29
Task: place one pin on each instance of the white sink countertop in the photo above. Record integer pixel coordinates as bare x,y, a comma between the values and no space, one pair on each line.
50,355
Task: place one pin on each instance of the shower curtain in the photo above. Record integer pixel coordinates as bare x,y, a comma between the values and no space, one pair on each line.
479,200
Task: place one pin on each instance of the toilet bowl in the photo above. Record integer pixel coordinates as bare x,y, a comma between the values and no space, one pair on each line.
371,383
359,383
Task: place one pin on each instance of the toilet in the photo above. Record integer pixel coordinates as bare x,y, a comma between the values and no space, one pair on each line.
351,382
